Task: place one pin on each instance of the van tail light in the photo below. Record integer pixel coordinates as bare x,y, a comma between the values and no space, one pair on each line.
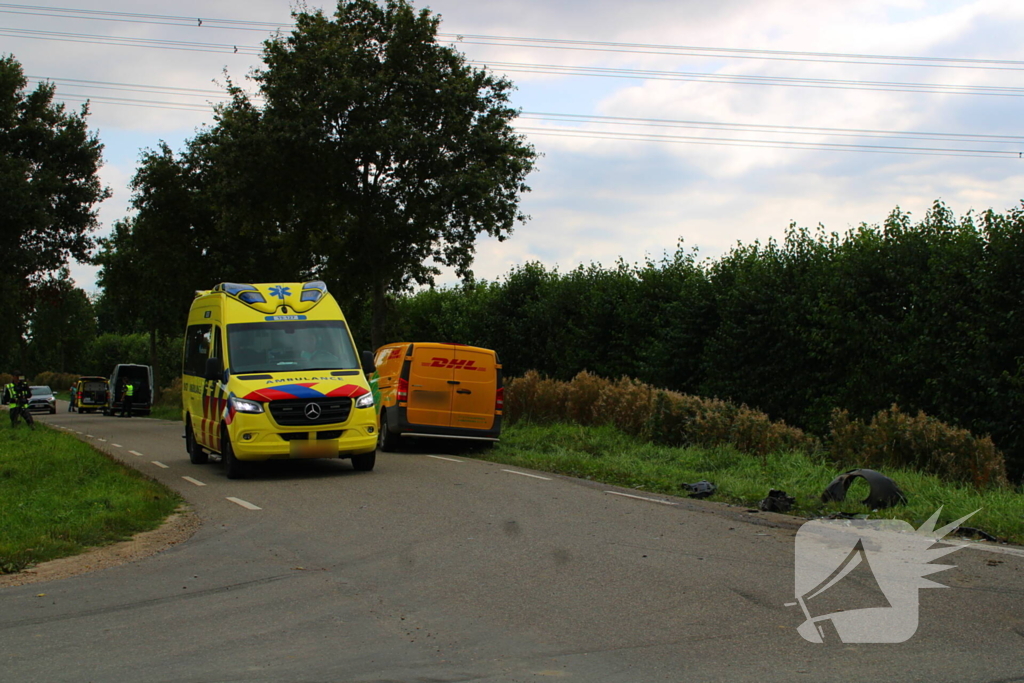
403,389
499,400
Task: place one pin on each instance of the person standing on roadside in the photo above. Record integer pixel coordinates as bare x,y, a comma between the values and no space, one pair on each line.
126,398
71,404
18,394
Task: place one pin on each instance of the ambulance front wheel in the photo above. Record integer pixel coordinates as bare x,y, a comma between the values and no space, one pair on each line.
364,462
196,454
233,467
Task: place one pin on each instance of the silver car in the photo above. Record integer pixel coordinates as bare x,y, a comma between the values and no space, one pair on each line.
42,398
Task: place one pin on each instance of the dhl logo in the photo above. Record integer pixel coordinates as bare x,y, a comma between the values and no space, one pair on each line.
453,364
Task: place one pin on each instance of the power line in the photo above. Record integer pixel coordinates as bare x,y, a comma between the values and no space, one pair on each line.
772,128
554,69
594,118
737,53
544,43
638,74
778,144
913,136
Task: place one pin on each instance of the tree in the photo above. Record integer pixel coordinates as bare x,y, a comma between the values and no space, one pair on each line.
149,262
48,180
61,326
379,151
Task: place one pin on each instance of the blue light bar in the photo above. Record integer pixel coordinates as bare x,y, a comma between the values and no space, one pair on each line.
311,295
315,284
252,297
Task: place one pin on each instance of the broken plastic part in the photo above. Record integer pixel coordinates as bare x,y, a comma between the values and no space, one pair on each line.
777,501
884,491
701,489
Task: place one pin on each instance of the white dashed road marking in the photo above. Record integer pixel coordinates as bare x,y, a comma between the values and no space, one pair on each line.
116,445
535,476
652,500
193,481
247,505
160,464
135,453
443,458
103,440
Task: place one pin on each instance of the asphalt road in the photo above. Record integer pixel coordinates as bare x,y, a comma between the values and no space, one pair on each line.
437,567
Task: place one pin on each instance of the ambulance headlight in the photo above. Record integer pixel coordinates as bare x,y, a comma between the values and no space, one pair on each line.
365,401
241,405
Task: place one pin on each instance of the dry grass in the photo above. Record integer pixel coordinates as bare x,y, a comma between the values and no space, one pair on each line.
891,440
919,442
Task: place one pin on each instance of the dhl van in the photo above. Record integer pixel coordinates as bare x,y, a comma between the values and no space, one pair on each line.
435,390
270,371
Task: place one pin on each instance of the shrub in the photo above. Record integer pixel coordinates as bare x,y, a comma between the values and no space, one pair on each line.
58,381
170,396
638,409
896,439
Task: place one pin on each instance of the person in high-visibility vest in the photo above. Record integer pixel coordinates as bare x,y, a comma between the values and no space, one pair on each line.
18,393
126,399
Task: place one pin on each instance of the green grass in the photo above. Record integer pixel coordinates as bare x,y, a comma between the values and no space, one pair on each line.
59,496
607,455
172,413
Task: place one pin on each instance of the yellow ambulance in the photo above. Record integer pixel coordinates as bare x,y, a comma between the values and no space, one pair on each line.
270,371
448,391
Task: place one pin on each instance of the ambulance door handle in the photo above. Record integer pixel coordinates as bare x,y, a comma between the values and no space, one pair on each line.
463,391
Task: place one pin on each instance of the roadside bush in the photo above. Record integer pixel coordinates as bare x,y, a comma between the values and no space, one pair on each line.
640,410
170,396
58,381
895,439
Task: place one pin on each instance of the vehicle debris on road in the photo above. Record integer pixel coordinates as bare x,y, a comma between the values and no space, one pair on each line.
777,501
884,491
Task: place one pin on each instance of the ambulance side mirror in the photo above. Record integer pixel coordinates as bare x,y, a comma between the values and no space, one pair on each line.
368,366
214,369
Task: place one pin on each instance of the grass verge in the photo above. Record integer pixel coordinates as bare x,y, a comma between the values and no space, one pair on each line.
59,496
172,413
607,455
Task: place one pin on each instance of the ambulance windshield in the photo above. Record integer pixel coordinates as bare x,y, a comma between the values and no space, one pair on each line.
290,346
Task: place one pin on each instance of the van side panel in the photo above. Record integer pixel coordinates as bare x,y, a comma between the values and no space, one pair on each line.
431,385
475,375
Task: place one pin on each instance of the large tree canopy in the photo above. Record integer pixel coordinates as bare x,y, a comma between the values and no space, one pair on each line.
379,154
48,180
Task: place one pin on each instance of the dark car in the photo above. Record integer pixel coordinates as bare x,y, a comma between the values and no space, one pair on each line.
42,398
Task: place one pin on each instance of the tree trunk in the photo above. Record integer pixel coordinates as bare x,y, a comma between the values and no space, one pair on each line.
380,313
153,363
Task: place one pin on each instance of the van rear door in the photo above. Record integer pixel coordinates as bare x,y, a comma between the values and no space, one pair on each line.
476,383
431,380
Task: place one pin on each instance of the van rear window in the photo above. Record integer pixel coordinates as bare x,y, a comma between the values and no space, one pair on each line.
290,346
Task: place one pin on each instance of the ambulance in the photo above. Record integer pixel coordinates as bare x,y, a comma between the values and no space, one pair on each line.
447,391
270,372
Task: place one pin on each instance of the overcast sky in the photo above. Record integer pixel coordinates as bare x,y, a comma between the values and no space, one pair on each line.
714,145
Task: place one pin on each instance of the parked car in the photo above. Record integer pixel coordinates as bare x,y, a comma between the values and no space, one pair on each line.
42,398
141,378
91,394
447,391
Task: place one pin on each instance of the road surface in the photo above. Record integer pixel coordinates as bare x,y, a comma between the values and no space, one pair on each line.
438,567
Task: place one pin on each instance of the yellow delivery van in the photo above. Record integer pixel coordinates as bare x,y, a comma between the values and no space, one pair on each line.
448,391
270,371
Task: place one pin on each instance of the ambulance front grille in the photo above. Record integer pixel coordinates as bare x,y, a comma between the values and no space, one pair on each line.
297,412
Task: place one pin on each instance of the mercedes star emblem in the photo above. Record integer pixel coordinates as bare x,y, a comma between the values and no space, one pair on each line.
312,411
